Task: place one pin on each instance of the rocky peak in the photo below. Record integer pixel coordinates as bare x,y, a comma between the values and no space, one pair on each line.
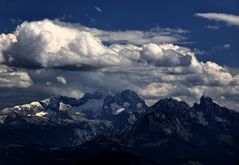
52,103
170,105
95,95
129,94
127,101
214,113
205,100
209,106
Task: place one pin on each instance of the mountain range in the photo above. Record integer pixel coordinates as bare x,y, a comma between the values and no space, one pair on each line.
119,129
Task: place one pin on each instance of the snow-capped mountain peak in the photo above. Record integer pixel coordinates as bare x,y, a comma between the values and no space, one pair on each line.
125,114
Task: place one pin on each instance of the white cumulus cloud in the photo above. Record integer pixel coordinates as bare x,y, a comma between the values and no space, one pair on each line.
52,44
75,59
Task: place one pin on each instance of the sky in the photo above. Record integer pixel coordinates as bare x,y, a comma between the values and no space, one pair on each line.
181,49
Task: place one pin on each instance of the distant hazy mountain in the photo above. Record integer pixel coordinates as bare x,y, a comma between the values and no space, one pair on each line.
118,129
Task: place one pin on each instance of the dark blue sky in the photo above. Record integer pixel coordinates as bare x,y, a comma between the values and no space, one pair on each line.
138,15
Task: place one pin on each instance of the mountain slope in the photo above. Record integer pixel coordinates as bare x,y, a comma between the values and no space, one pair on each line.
168,132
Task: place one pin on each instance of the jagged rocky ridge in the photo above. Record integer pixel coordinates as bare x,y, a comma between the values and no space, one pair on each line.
168,132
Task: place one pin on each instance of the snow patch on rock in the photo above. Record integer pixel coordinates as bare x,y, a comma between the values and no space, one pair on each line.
41,114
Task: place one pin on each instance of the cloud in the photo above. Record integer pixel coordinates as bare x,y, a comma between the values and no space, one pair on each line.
155,35
212,27
227,46
61,79
98,9
200,52
45,44
227,18
51,44
165,55
14,78
136,37
5,41
70,59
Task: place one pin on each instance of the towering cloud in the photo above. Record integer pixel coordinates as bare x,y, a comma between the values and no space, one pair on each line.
51,44
92,59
